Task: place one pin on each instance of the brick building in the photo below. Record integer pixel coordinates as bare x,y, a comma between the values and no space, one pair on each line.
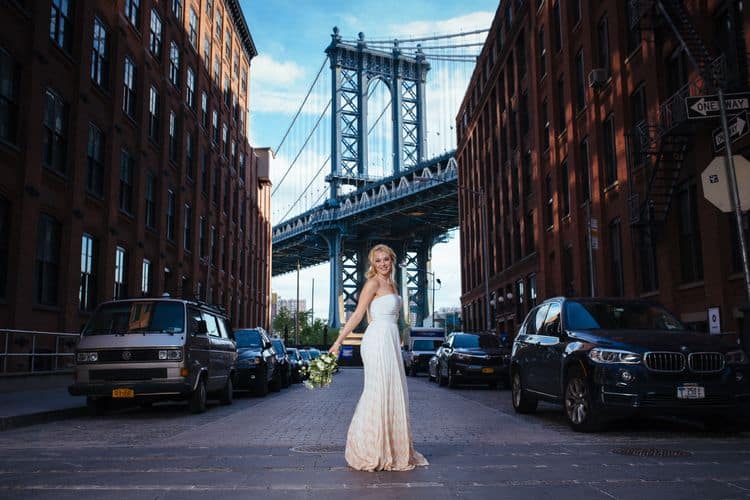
125,168
575,113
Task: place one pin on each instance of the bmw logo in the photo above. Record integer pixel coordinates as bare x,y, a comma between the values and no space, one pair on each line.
126,355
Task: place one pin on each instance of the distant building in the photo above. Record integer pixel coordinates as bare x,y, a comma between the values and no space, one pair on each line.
125,169
575,126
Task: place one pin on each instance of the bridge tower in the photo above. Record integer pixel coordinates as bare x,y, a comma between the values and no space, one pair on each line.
354,67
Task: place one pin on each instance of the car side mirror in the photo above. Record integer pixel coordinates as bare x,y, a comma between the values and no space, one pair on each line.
200,328
267,345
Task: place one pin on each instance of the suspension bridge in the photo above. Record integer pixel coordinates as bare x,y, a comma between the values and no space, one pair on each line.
362,164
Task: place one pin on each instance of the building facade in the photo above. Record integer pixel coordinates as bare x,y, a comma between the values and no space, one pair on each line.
575,126
125,168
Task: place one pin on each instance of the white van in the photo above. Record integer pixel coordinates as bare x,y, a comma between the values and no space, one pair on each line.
420,344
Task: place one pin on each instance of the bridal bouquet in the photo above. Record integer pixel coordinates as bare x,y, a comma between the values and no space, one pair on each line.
320,371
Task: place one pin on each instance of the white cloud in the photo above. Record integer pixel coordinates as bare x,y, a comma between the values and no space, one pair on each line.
468,22
267,71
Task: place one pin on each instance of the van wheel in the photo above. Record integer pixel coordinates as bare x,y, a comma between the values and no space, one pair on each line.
522,402
276,383
578,402
97,406
227,393
197,402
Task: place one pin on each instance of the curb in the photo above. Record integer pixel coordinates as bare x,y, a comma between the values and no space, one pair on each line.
16,421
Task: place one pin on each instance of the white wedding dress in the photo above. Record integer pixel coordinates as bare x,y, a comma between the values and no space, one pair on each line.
379,436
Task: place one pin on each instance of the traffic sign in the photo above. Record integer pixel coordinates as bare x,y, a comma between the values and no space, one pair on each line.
716,183
738,127
707,106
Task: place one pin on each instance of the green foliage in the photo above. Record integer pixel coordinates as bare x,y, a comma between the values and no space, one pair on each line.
310,333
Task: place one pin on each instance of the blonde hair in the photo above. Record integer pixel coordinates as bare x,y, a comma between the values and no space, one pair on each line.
371,258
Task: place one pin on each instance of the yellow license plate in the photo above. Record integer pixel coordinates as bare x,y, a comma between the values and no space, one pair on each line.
488,370
123,393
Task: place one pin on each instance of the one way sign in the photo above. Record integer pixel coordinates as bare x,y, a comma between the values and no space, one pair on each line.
707,106
738,127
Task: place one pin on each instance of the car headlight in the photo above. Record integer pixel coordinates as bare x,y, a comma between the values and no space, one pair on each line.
249,362
170,355
463,357
737,357
87,357
610,356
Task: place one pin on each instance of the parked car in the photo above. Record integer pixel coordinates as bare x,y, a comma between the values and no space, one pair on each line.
314,352
420,344
305,357
603,358
283,363
151,349
296,362
257,367
472,357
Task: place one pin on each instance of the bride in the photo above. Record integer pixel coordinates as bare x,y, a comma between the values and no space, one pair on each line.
379,436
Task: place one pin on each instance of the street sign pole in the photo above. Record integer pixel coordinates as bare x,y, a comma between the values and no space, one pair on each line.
734,192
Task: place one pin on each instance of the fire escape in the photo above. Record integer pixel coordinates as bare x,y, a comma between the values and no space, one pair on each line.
662,146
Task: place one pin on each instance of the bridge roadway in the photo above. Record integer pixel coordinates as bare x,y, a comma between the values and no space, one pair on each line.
399,207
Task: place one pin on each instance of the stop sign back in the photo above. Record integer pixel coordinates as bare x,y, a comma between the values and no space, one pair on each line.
715,183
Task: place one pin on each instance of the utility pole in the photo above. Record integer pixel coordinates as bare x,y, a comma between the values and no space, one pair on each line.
296,311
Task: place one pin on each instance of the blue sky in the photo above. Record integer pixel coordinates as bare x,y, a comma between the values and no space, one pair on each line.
291,36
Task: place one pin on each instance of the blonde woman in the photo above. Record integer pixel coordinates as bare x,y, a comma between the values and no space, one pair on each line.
379,436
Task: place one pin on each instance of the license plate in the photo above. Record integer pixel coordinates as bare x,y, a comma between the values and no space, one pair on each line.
123,393
488,370
691,392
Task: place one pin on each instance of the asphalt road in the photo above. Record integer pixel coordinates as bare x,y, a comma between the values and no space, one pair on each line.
290,445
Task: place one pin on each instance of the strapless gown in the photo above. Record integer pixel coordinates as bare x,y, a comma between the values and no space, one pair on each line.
379,436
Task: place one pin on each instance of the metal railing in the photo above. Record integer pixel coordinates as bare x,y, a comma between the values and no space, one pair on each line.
26,352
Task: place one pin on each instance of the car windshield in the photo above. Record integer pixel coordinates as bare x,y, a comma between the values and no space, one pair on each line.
248,338
427,345
469,341
120,318
305,355
314,353
292,353
278,346
614,315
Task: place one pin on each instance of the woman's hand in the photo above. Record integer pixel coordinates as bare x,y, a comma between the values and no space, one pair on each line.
335,349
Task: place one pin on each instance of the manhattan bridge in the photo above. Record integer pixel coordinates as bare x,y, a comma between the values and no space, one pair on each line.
368,158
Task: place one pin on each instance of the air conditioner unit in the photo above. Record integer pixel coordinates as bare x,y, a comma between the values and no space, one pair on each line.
598,77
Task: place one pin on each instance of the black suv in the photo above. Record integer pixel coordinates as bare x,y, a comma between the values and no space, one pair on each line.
257,366
471,357
616,357
283,363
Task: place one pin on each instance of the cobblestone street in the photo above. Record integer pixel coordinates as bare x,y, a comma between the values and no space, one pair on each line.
290,445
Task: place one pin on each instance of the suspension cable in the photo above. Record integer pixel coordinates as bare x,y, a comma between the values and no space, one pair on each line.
307,187
424,39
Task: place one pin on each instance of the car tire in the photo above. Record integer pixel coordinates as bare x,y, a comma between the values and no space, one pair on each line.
197,401
578,404
452,379
276,382
442,381
412,371
287,379
261,387
522,402
227,392
97,406
430,377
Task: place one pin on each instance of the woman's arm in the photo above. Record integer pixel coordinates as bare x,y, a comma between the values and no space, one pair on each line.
365,297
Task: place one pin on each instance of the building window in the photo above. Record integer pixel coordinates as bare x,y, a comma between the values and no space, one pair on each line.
520,311
9,74
193,27
87,289
190,88
174,138
615,250
170,214
242,166
233,154
202,237
225,139
174,64
4,244
529,232
95,161
602,35
132,12
177,9
548,201
542,51
213,246
691,255
215,126
99,52
128,88
55,132
610,158
560,105
580,81
121,273
521,56
228,45
189,156
545,126
207,51
227,93
146,278
204,172
47,260
153,114
216,183
568,284
126,182
524,112
556,19
155,34
187,233
60,24
225,204
217,69
649,270
218,24
584,174
634,30
526,173
637,120
243,80
150,200
531,290
565,181
204,110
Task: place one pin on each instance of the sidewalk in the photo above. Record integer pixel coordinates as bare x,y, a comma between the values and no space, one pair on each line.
26,403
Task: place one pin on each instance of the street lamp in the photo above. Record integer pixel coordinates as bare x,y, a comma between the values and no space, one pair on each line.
404,265
485,243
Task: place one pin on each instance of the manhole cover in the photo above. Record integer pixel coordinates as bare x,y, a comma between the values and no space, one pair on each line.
651,452
318,449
